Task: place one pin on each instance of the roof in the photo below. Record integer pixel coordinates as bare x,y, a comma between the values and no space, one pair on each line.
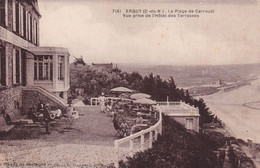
35,5
48,50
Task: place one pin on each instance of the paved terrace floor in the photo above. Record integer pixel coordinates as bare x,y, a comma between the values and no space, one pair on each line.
87,142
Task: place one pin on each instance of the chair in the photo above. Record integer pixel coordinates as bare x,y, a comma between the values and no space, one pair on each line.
117,128
13,117
120,131
3,126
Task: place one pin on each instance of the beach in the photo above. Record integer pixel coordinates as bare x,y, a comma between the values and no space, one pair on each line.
238,109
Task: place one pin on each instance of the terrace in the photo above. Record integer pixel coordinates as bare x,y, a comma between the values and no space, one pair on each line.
175,108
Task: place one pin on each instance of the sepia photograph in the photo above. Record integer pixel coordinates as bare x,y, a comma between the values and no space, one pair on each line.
129,84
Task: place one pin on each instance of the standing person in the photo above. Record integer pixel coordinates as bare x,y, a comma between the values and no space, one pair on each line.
40,110
46,117
102,103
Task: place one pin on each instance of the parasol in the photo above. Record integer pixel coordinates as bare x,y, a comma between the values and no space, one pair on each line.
121,89
145,101
140,96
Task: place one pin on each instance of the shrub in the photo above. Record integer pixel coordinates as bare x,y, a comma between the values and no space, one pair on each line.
178,148
239,159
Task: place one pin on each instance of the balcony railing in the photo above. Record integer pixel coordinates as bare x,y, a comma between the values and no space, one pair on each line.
177,107
139,141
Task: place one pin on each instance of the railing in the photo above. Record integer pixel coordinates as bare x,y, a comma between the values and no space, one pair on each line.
48,94
184,108
94,101
169,103
137,142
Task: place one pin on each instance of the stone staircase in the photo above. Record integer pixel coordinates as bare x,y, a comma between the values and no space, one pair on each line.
33,94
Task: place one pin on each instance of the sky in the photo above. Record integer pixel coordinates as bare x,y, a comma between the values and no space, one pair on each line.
90,29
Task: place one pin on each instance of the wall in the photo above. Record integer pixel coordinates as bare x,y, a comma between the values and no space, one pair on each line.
30,9
9,61
9,99
182,120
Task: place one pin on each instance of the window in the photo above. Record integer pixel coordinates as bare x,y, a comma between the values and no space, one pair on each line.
3,12
43,69
189,123
16,66
2,66
61,69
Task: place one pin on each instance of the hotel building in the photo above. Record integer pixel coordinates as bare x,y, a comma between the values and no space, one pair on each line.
25,67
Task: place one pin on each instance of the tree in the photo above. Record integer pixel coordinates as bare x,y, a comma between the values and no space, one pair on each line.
205,115
94,82
79,61
135,81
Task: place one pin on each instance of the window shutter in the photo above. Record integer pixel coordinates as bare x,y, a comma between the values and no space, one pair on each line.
21,14
14,19
29,26
26,24
6,12
14,68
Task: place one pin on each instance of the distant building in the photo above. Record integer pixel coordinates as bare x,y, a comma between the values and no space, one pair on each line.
105,66
183,113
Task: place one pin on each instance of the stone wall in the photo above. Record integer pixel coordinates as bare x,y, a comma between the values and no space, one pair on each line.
11,100
33,97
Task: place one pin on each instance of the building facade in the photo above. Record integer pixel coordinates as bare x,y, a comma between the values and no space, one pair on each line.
19,29
22,62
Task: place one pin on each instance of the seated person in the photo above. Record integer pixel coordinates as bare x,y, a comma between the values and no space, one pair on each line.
139,119
138,123
116,105
109,109
7,118
109,106
40,107
124,127
58,113
32,113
